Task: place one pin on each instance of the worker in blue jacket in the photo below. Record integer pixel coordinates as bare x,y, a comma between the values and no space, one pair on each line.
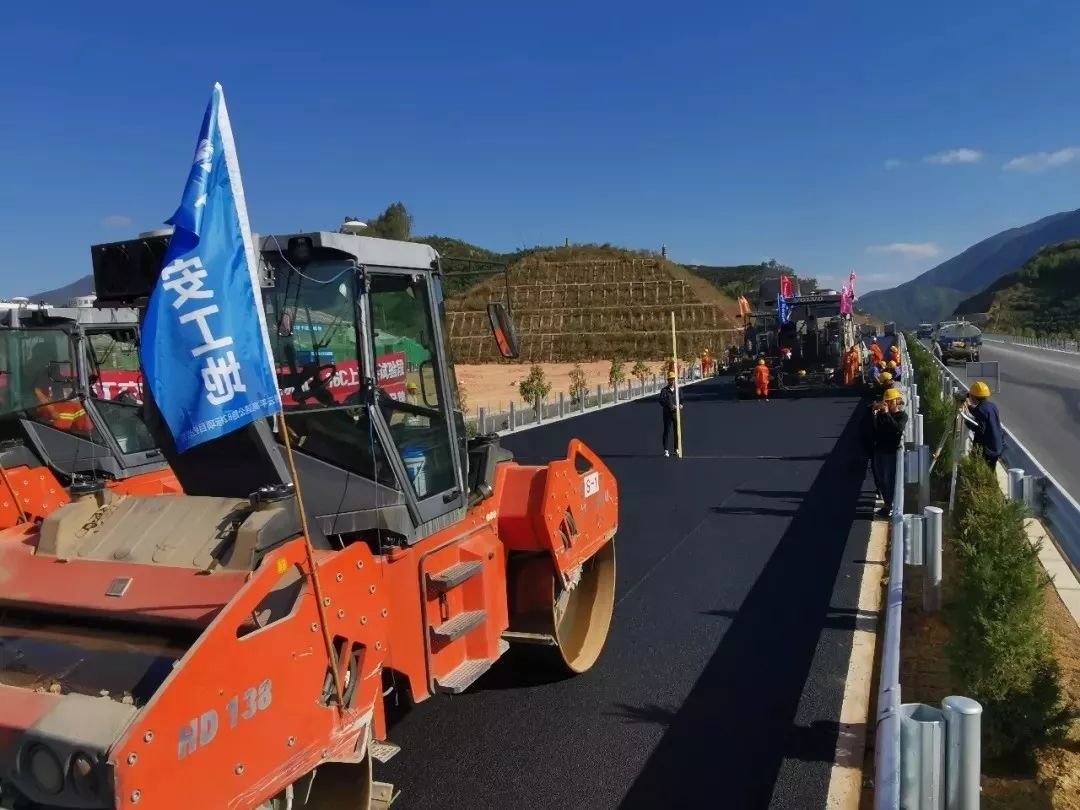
986,433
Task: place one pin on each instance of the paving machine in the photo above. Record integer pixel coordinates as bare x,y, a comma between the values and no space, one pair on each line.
201,650
70,409
805,352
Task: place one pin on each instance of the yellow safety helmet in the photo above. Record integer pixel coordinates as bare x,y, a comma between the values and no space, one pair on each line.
885,377
671,375
412,387
980,390
892,364
761,362
802,372
893,394
894,349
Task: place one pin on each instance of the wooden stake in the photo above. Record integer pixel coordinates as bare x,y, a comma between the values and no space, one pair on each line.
678,407
316,587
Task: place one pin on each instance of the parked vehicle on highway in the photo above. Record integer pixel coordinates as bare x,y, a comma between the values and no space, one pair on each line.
202,650
926,330
959,341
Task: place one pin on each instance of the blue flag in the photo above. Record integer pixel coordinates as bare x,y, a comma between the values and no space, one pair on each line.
205,349
783,309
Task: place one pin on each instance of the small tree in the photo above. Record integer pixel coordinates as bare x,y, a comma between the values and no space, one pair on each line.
579,386
640,372
535,387
617,372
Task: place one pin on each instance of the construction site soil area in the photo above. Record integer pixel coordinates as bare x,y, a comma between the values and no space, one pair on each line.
494,385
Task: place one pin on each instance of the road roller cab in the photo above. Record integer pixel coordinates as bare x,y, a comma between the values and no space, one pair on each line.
171,649
70,407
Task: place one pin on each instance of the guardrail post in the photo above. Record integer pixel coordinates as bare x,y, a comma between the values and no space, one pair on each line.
481,421
932,555
1016,484
922,757
562,405
913,539
963,753
599,396
513,417
919,426
540,412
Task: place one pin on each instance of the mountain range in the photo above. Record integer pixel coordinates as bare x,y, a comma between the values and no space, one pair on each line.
1040,299
937,293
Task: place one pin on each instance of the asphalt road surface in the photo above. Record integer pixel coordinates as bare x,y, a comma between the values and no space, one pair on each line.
1040,404
721,683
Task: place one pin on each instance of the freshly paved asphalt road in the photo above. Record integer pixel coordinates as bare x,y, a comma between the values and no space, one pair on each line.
1040,404
738,577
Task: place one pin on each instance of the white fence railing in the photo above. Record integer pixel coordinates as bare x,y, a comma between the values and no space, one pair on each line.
521,415
1054,344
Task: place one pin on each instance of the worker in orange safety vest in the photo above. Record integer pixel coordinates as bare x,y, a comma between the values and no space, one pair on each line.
875,349
852,361
59,408
761,381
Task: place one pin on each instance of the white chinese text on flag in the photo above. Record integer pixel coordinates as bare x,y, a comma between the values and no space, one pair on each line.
205,349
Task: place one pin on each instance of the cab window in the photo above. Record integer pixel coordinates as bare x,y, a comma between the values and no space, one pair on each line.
409,379
116,388
311,318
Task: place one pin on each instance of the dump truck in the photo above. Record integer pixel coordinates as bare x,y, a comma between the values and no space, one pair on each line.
804,353
202,650
70,408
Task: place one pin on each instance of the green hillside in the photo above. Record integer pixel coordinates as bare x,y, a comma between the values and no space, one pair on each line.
1041,299
935,294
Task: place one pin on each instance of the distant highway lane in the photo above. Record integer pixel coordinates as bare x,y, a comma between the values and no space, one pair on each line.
1040,404
721,684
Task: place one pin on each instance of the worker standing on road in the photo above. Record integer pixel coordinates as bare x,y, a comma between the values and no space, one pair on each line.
706,363
851,366
667,403
761,381
986,434
894,354
889,423
875,350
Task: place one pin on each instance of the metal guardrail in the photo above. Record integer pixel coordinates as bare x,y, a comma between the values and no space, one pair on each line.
1054,344
924,756
887,739
522,416
1043,494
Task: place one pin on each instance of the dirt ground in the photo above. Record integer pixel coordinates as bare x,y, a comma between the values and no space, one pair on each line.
494,385
925,676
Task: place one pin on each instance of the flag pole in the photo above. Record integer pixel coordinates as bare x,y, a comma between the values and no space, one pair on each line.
678,407
316,586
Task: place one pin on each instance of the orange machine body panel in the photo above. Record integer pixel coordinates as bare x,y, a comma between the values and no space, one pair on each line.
248,709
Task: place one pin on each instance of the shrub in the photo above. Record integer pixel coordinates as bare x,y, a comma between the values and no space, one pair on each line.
617,372
535,387
640,371
938,416
999,648
579,386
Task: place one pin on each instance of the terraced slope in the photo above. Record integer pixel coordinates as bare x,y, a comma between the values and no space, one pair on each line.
577,304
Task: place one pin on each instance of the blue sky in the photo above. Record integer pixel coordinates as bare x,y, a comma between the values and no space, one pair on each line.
732,132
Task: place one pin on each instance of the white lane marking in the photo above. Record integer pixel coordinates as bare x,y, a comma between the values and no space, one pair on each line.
845,781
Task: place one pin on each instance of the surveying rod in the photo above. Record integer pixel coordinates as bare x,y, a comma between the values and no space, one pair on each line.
678,407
